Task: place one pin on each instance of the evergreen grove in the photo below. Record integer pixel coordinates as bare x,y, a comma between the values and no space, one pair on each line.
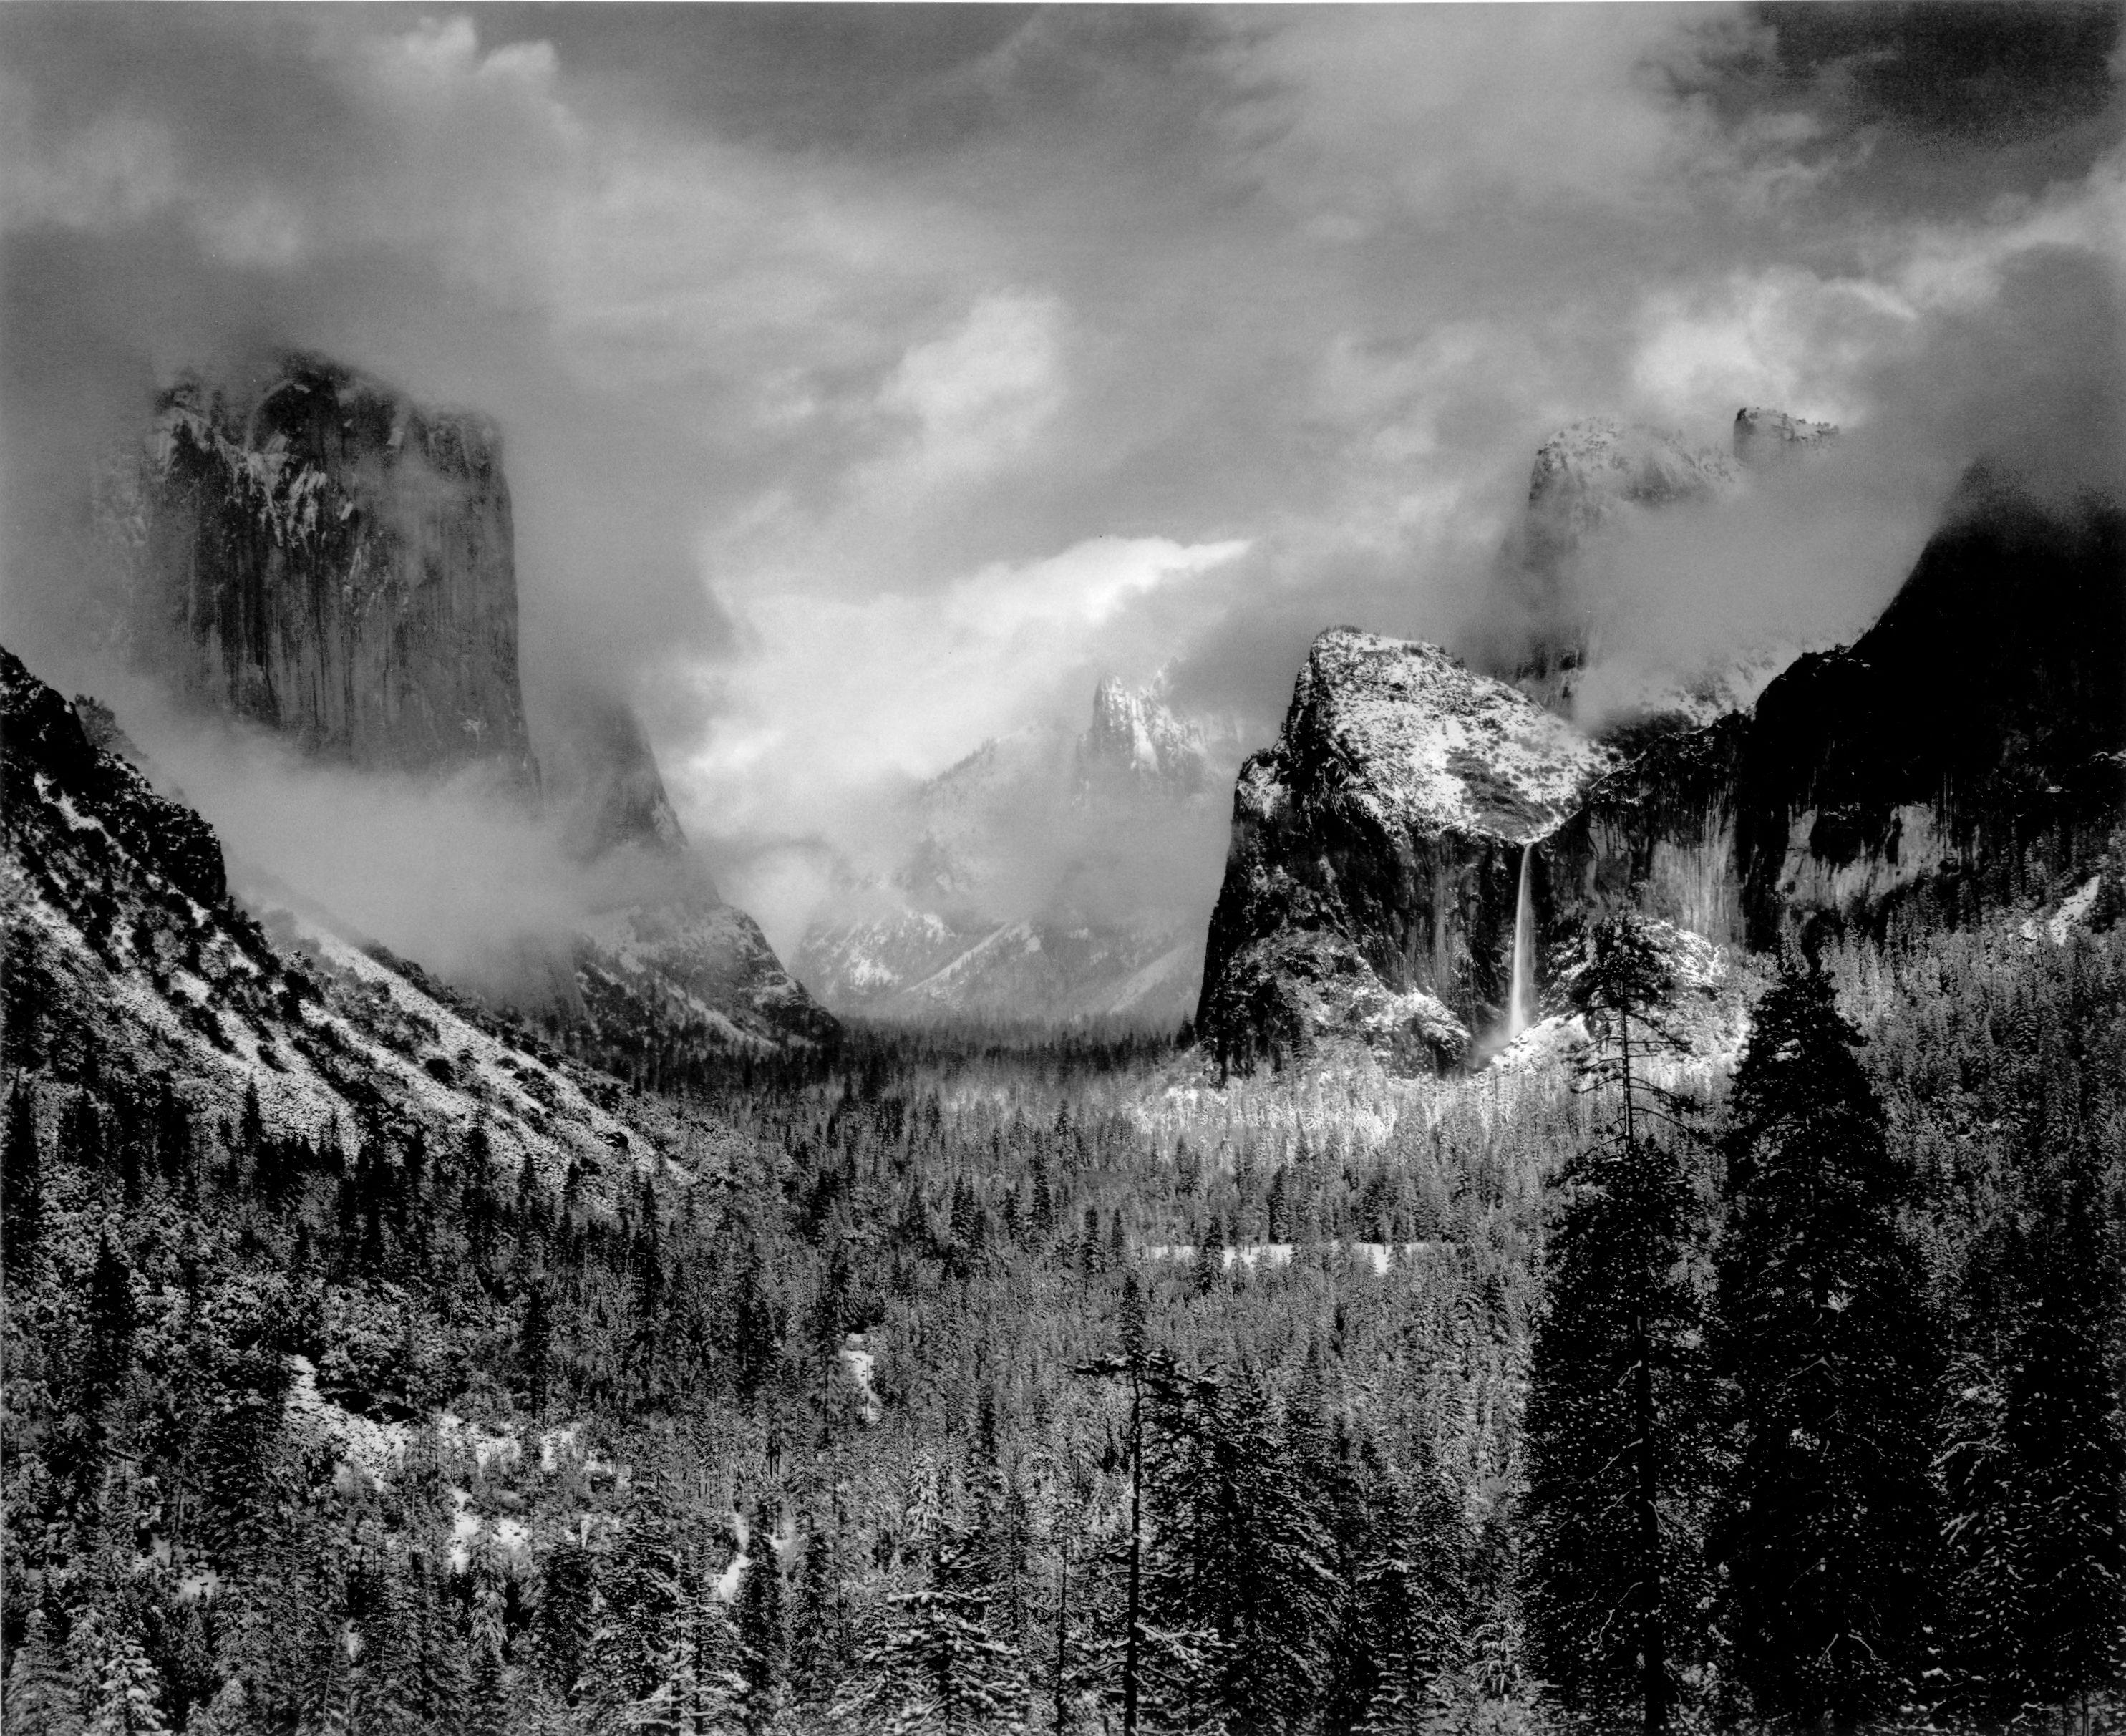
989,1387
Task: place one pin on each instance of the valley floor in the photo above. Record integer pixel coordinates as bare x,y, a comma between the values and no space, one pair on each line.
831,1406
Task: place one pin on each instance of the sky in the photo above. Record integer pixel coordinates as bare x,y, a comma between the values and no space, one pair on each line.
873,379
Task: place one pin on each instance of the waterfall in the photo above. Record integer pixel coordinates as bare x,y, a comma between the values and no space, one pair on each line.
1520,1004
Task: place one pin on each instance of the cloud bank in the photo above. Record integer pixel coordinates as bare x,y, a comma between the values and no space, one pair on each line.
872,380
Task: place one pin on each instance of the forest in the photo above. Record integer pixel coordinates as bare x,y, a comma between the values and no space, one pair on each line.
998,1382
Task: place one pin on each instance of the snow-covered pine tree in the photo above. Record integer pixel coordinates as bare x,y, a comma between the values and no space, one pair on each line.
44,1689
1409,1596
764,1637
628,1672
1826,1527
932,1665
1242,1596
2061,1428
1611,1576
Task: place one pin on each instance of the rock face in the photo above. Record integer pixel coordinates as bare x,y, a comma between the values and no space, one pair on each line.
1766,437
1974,739
1375,865
1135,742
1969,748
318,554
56,775
1042,883
1585,479
600,772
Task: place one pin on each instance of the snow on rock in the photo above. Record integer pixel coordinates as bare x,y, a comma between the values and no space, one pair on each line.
1377,853
310,549
1423,742
860,1361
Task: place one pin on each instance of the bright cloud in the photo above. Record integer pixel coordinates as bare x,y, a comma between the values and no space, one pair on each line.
865,397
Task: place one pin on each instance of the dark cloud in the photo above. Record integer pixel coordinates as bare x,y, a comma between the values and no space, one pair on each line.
1979,72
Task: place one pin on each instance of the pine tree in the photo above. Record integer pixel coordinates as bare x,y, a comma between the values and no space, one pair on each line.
817,1638
486,1707
761,1631
628,1672
933,1666
1616,1388
534,1346
21,1181
2061,1426
111,1322
125,1694
45,1692
561,1623
1242,1594
1826,1527
1409,1596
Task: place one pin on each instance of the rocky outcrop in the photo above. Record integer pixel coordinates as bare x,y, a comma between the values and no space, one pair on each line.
1970,747
601,774
315,552
1135,741
52,774
1376,851
692,962
1767,436
1974,739
1586,480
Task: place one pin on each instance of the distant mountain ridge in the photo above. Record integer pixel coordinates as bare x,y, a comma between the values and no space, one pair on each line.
1022,898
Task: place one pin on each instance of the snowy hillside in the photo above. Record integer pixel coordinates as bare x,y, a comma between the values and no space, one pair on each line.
118,922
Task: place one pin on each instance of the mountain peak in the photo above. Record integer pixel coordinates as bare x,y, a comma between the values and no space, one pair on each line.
1134,735
1766,436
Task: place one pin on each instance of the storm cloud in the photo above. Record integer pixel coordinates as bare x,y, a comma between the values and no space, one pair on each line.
873,379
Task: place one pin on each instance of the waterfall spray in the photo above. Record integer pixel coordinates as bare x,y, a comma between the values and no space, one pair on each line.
1520,1003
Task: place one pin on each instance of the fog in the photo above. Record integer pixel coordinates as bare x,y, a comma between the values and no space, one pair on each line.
1815,542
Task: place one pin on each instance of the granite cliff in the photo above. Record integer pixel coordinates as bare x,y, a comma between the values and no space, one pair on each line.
1376,853
1969,749
312,551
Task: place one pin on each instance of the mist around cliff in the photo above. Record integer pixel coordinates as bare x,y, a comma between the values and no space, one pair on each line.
459,873
1812,545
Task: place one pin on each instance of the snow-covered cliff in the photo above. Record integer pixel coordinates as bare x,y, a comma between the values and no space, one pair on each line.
1377,850
1970,747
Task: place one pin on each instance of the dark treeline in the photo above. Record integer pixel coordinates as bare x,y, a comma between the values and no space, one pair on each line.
968,1386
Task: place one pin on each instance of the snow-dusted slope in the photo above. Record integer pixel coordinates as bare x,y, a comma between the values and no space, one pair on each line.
118,923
